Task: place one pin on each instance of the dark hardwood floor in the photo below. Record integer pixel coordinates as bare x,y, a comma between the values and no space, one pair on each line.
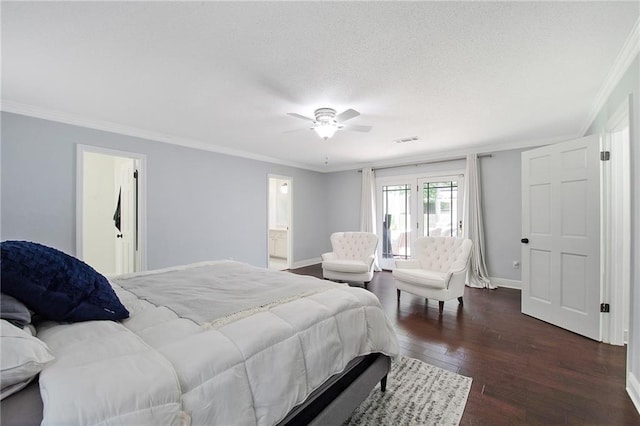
524,371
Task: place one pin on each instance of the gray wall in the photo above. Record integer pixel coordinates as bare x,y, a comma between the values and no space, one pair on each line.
423,169
501,208
629,85
201,205
343,208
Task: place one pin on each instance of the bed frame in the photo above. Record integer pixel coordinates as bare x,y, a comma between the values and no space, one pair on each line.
334,401
331,404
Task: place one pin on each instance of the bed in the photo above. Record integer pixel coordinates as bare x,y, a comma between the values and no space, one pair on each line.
217,342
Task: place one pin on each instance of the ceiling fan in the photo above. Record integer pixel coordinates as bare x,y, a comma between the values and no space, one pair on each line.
326,122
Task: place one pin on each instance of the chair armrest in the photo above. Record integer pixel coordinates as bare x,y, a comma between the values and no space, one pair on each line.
369,260
456,278
407,264
457,269
329,256
457,275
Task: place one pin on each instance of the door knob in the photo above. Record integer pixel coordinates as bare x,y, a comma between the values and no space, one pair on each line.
525,240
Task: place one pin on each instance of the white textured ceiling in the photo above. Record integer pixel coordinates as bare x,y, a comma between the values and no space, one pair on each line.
467,76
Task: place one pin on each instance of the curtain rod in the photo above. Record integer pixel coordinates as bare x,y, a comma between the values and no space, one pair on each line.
427,162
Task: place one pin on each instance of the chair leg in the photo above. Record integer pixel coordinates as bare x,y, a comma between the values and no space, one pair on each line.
441,305
398,295
426,301
383,383
460,300
366,283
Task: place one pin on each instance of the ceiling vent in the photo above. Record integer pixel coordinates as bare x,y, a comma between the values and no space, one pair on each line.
405,140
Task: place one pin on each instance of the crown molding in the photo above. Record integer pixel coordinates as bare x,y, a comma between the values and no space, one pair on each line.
627,54
108,126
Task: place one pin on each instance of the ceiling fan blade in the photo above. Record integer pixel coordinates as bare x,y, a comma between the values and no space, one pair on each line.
293,114
357,128
347,115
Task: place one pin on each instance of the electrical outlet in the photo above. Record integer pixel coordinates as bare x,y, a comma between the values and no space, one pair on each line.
516,264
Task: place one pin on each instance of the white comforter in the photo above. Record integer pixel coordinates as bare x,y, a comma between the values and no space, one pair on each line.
159,369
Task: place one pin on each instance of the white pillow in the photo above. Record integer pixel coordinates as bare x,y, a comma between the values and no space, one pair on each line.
22,358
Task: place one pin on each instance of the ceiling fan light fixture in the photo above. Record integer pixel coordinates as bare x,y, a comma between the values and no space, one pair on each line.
325,115
325,130
326,122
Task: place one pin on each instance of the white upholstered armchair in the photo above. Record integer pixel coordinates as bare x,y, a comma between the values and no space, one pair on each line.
352,258
437,270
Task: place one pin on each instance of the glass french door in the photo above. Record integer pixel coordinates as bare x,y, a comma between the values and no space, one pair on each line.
396,209
409,207
441,213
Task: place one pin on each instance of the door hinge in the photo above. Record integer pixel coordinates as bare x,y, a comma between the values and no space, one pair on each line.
605,155
604,307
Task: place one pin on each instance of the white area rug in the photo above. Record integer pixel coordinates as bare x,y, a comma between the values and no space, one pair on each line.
417,394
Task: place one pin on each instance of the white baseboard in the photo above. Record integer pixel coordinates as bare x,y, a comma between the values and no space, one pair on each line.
633,389
306,262
503,282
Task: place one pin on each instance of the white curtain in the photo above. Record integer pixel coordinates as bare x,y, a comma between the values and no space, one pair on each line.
473,225
368,206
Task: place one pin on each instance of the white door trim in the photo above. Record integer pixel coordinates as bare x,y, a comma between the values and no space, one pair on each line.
141,160
616,227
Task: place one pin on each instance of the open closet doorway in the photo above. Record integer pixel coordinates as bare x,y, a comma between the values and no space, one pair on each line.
109,215
279,222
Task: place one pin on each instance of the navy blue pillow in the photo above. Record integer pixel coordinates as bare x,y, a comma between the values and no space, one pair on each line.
55,285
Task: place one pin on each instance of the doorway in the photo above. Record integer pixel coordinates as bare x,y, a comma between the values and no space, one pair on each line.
414,206
279,222
109,216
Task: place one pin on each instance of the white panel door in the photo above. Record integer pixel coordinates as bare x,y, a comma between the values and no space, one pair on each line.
561,235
